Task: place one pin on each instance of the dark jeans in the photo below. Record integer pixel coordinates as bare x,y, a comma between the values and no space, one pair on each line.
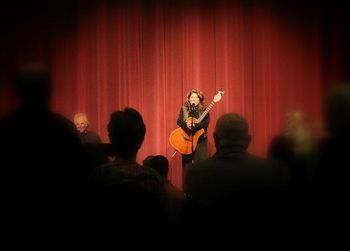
199,154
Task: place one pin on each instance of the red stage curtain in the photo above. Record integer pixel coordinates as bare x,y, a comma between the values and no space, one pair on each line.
148,54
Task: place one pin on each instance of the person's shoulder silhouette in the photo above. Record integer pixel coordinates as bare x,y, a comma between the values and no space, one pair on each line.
39,146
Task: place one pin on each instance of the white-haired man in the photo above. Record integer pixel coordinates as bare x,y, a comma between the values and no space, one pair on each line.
82,124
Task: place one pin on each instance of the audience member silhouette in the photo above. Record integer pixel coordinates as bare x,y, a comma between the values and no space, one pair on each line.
42,159
126,131
126,194
329,209
86,136
41,148
295,140
175,197
294,149
332,175
92,144
232,193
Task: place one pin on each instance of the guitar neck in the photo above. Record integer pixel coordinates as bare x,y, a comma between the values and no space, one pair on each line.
206,112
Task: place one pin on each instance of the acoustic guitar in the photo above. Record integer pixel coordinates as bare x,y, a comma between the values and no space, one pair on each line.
184,142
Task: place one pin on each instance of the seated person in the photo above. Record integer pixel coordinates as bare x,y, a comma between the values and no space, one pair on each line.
82,124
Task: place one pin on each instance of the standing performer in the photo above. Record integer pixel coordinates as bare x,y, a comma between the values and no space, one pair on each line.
191,110
191,138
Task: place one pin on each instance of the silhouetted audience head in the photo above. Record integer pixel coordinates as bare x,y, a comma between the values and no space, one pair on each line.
38,134
33,85
337,114
293,120
231,129
281,149
126,131
295,140
158,163
147,160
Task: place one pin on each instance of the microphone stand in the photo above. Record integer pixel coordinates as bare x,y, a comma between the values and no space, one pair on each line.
193,109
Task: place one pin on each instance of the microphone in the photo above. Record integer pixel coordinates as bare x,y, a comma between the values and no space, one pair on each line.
193,107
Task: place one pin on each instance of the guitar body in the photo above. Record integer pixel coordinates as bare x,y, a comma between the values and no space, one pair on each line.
182,141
